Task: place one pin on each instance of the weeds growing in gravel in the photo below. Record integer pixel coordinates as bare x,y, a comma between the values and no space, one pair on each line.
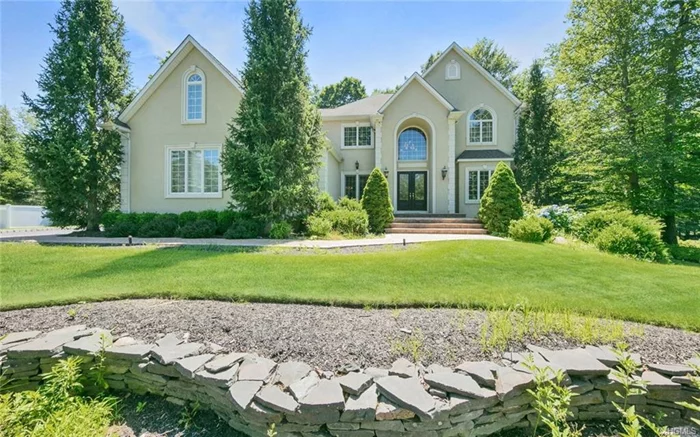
412,346
502,327
57,408
552,401
140,406
188,415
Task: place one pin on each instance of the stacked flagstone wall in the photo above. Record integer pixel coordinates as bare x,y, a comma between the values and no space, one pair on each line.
251,392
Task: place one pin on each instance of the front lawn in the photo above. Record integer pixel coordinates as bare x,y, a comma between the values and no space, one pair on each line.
485,274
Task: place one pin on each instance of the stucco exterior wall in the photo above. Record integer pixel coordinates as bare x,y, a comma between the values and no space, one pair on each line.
466,94
414,104
470,208
158,123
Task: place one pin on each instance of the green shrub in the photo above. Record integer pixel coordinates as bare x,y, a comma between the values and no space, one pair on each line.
688,251
501,202
123,228
161,227
349,204
561,216
110,218
647,233
349,222
243,228
531,229
324,202
208,214
197,229
377,203
280,230
318,226
57,408
188,217
225,219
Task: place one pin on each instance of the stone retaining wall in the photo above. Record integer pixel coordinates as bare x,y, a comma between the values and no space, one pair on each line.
250,392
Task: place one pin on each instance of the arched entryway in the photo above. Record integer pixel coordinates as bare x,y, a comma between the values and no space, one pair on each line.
414,151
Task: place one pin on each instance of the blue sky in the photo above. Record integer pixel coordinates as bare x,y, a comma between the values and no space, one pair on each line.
377,42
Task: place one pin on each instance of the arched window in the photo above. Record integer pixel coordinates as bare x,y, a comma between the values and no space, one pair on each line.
413,145
194,96
481,126
452,70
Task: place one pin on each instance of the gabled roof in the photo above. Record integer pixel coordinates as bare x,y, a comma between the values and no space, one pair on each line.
168,66
418,78
361,108
471,61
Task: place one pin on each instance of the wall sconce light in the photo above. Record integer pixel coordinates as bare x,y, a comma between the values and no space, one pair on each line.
386,172
357,165
444,172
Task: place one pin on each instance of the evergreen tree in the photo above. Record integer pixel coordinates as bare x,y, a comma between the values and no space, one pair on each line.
501,202
84,83
377,202
346,91
536,154
275,140
16,184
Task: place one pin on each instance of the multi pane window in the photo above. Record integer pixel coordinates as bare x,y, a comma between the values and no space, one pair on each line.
477,181
413,146
355,185
481,127
194,171
195,97
357,136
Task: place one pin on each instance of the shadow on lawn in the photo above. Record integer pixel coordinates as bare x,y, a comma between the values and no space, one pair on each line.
143,261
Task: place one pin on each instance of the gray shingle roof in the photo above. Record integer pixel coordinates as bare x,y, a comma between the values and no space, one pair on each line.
484,154
367,106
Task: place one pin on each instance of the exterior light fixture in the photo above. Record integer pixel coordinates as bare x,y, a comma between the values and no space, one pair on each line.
386,172
357,165
444,172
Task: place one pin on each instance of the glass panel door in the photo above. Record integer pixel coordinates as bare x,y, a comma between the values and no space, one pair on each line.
413,191
420,191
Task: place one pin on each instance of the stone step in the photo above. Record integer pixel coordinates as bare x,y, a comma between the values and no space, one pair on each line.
454,225
434,220
461,231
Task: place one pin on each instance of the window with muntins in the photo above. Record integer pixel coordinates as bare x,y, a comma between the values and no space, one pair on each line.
355,185
357,136
452,70
477,181
481,126
194,172
195,100
413,145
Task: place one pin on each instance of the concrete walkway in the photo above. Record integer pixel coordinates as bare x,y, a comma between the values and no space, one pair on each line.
58,237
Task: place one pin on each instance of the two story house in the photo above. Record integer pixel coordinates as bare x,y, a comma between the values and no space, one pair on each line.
437,139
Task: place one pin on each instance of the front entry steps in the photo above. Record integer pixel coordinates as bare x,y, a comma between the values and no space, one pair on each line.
435,224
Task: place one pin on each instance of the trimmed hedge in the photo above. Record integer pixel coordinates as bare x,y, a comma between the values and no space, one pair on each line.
280,230
197,229
501,203
160,227
377,203
243,228
531,229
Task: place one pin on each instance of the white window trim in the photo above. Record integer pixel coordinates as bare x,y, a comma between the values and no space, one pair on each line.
168,175
357,175
357,124
478,182
495,126
189,72
458,76
407,161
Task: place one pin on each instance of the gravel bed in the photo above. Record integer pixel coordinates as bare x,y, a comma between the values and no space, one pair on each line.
327,337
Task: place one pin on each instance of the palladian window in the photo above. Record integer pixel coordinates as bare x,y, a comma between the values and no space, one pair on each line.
413,145
481,125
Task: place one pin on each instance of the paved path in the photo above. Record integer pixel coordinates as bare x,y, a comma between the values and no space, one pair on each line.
58,237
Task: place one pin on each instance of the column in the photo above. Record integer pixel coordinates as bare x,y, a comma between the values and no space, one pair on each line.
378,142
451,188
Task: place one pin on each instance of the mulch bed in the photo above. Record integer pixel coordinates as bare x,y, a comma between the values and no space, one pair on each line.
327,337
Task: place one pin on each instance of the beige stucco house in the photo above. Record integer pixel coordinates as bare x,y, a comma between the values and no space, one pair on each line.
437,139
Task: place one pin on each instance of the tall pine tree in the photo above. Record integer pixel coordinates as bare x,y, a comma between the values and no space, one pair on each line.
16,185
84,83
274,144
536,152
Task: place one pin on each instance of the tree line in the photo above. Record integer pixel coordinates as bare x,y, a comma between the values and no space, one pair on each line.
610,116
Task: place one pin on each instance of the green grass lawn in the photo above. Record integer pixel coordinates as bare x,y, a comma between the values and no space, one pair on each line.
484,274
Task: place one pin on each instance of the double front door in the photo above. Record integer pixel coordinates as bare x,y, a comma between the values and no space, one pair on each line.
413,191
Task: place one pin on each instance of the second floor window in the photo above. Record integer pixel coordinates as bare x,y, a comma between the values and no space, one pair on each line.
357,136
194,96
481,126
